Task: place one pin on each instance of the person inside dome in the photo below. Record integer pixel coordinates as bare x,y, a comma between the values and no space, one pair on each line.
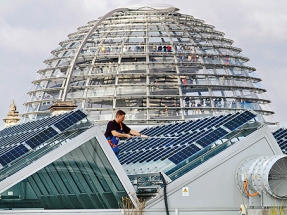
116,129
159,48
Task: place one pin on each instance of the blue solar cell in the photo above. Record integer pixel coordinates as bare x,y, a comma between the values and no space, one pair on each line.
183,153
282,135
41,138
135,144
169,152
145,130
144,158
128,156
123,159
70,120
169,128
278,138
217,121
179,127
142,145
239,120
278,132
132,158
281,138
13,155
148,155
283,144
156,154
156,130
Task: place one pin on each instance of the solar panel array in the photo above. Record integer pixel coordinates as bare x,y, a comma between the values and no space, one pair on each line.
194,161
281,137
20,139
192,137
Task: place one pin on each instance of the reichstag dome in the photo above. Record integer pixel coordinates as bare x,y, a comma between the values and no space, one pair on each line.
156,64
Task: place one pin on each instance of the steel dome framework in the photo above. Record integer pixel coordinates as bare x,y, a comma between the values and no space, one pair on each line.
154,63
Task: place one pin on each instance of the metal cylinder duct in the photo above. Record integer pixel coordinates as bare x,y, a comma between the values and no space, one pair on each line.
266,174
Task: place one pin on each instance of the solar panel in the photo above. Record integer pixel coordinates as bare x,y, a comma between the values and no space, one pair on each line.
34,133
193,137
42,137
183,154
13,154
281,137
278,132
197,159
47,121
69,120
239,120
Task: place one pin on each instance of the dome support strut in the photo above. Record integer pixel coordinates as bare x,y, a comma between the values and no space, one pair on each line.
73,62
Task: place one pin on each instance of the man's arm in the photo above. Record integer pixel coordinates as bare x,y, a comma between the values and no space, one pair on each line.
135,133
117,134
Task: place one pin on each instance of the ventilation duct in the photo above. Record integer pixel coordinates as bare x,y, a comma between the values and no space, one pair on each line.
266,174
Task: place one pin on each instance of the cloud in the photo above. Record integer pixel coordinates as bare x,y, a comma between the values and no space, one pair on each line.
21,40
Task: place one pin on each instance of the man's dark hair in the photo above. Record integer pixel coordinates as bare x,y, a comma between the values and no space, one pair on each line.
120,113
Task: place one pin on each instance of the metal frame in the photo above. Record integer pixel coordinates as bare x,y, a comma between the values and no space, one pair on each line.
66,148
105,51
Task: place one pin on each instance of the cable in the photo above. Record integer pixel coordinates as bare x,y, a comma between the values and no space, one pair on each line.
164,193
243,203
245,183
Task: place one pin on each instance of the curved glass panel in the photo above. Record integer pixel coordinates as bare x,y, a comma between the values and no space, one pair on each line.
143,62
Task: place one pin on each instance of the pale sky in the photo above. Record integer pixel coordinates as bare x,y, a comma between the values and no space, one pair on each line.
31,29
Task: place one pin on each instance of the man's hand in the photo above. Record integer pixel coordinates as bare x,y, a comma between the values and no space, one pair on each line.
128,136
144,136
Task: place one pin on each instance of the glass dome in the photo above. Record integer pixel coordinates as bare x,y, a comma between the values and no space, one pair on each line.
156,64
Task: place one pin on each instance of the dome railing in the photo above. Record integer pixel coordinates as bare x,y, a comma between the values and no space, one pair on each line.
105,70
114,62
